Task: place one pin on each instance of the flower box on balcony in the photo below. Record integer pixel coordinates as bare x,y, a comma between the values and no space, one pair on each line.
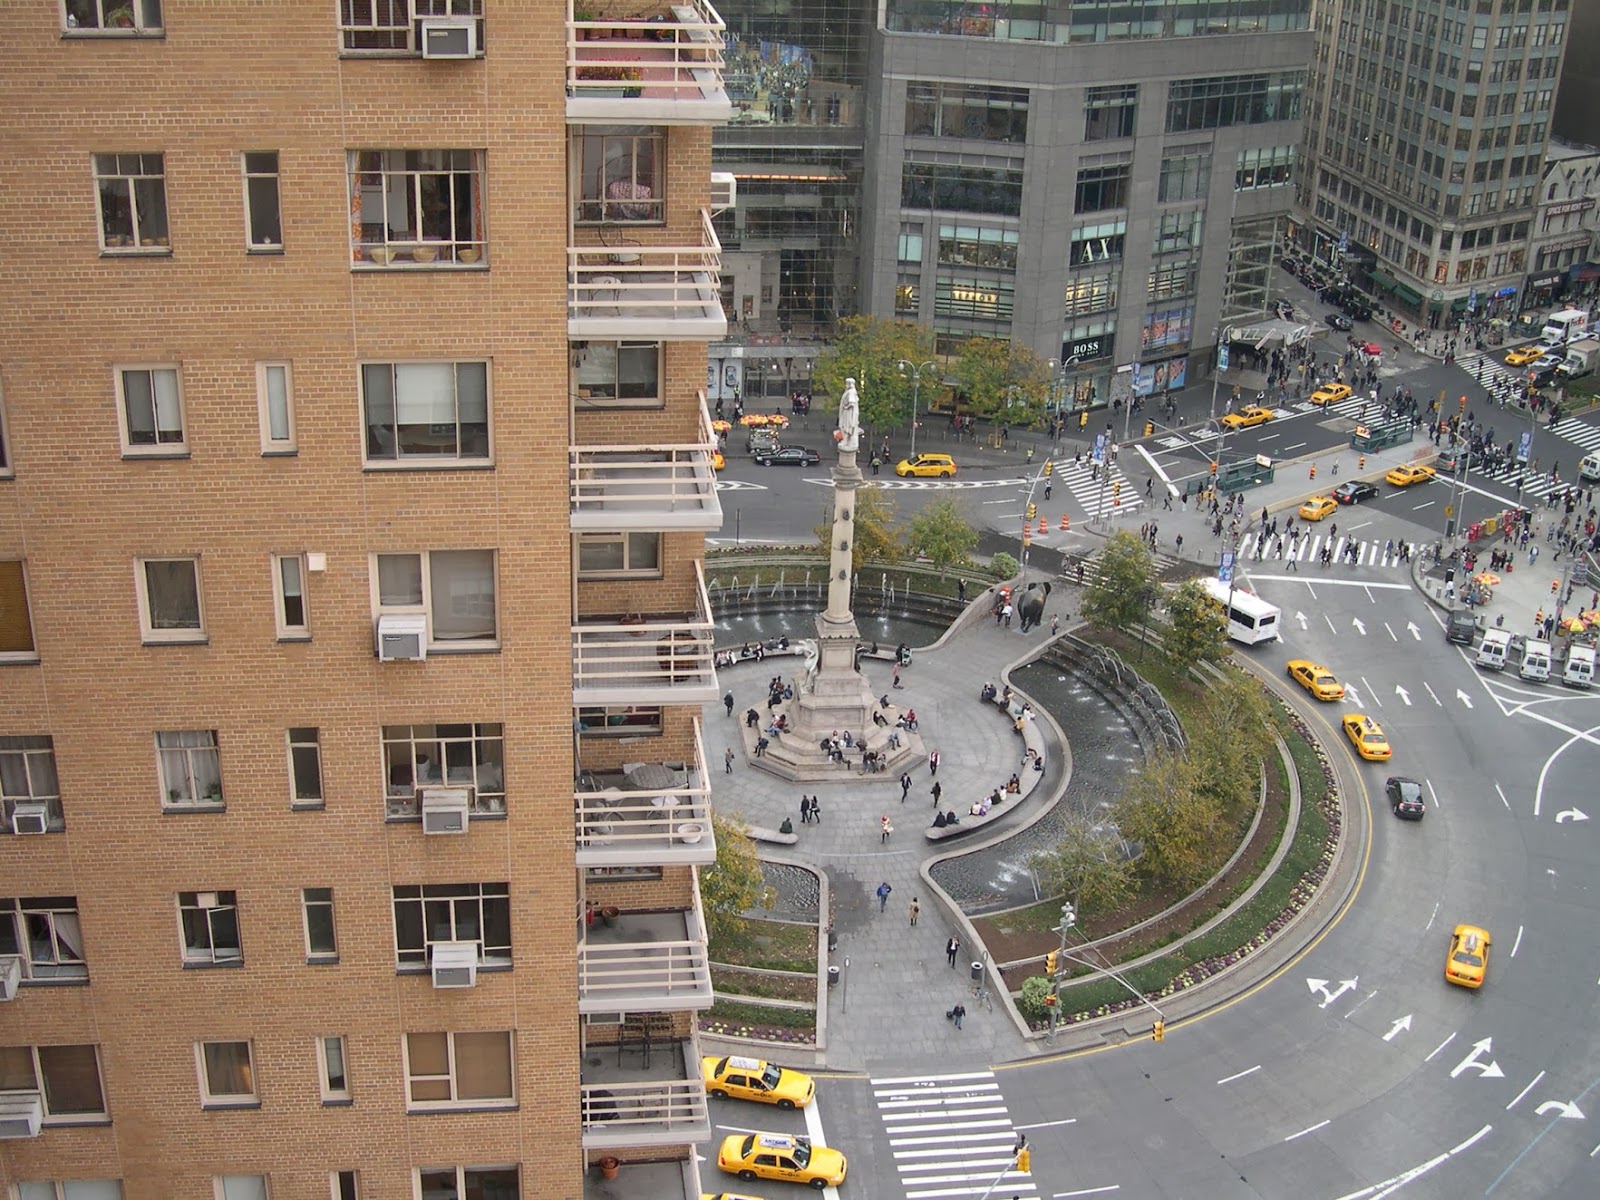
627,79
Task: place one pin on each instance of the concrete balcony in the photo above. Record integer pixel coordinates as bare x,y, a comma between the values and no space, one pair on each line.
645,292
633,1096
646,487
647,658
645,962
646,815
669,1179
664,68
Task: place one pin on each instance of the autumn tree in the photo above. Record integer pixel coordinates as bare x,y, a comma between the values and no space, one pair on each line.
869,351
1197,627
1124,583
876,539
732,885
942,534
1002,379
1227,747
1175,822
1087,867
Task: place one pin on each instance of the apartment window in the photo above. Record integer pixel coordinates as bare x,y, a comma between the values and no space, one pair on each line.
996,191
344,1185
454,589
1217,102
132,194
28,776
619,720
417,207
452,912
1185,176
1178,231
227,1079
305,767
458,1070
331,1073
44,933
190,768
1108,112
209,925
262,215
239,1187
67,1076
1091,292
426,412
1100,188
111,17
16,627
976,246
275,407
316,907
1168,281
467,1183
1097,243
150,408
71,1189
289,597
966,110
623,174
1264,167
5,455
462,755
615,555
619,374
393,27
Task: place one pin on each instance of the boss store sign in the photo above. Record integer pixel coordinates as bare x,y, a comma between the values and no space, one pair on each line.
1088,348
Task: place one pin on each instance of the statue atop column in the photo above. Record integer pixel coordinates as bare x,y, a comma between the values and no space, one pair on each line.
849,418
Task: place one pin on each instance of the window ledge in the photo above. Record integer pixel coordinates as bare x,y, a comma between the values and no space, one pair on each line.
197,964
447,649
343,1102
294,453
484,968
307,805
448,1109
74,1120
19,660
135,455
265,251
322,960
285,638
57,981
201,640
94,35
439,464
228,1105
136,252
193,808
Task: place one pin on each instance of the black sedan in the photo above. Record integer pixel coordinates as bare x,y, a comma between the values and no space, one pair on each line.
789,456
1405,798
1339,321
1353,491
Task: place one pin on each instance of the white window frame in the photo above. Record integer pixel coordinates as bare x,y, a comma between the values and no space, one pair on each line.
110,168
318,898
7,471
335,1090
398,459
588,357
432,766
148,634
336,1188
146,19
173,447
404,38
450,1078
621,174
219,1186
60,919
426,608
253,243
210,1099
293,743
101,1117
461,1177
35,778
627,570
271,444
454,894
290,630
31,653
58,1188
227,902
183,742
379,179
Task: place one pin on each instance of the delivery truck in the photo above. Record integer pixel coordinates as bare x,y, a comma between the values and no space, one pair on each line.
1564,326
1583,356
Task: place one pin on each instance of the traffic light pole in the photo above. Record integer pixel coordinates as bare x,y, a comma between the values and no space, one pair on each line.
1069,918
1021,1160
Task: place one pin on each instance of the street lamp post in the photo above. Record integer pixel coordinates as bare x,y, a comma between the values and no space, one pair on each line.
904,366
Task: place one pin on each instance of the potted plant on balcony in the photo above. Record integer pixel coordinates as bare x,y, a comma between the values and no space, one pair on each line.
609,1165
629,77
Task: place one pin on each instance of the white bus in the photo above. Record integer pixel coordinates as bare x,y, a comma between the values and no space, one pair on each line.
1250,618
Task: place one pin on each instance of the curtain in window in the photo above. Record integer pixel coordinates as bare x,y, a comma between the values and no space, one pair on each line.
89,1189
472,408
244,1187
483,1066
54,938
425,408
277,404
463,595
173,592
400,580
228,1068
429,1059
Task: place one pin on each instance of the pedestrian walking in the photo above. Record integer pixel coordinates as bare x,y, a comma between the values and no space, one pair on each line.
933,763
897,675
915,909
816,810
1149,487
1179,543
1055,625
951,949
727,759
884,829
905,785
1048,484
1006,612
961,590
805,810
957,1013
883,892
937,790
727,703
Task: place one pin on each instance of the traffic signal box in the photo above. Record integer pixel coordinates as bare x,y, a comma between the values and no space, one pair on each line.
1158,1031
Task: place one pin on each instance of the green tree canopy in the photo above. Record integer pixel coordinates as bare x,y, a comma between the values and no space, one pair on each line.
1227,748
1175,823
1197,628
731,886
869,350
1086,867
1124,585
1003,379
876,539
941,533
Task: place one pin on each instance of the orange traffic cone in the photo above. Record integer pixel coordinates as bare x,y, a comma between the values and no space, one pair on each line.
1064,522
1043,525
1313,470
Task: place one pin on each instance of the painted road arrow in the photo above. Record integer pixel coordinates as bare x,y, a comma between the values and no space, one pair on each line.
1464,698
1571,814
1488,1070
1571,1111
1321,985
1415,632
1360,628
1401,692
1403,1025
1351,695
1301,617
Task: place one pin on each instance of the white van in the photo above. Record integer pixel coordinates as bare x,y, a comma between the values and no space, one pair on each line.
1579,672
1535,660
1564,326
1493,649
1589,468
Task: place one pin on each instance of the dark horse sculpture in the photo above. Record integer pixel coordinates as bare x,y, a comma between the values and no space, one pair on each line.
1032,606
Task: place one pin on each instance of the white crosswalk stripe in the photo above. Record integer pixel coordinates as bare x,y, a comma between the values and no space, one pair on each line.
1091,568
1494,371
951,1135
1096,497
1368,552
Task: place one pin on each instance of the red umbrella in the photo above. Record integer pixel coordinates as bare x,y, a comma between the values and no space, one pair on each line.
1372,348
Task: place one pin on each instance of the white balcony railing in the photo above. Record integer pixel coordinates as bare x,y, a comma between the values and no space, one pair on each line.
647,292
645,962
632,1100
661,68
647,659
645,486
628,818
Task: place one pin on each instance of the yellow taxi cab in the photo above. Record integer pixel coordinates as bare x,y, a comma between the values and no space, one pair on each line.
717,461
780,1156
1408,473
1318,507
1331,393
941,466
753,1079
1317,680
1250,414
1366,736
1469,956
1523,355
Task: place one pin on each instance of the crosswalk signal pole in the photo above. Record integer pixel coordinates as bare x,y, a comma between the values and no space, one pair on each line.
1021,1160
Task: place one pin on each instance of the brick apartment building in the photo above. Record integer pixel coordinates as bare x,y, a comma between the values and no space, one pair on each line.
354,475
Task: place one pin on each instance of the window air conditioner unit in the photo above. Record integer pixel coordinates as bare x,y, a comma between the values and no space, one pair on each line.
724,191
402,637
444,809
30,816
455,964
449,37
21,1114
10,975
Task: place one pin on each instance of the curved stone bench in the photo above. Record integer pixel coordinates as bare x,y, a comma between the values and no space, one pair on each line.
1033,740
759,833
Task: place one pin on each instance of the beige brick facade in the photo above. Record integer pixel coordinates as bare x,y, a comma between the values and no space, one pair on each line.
221,78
